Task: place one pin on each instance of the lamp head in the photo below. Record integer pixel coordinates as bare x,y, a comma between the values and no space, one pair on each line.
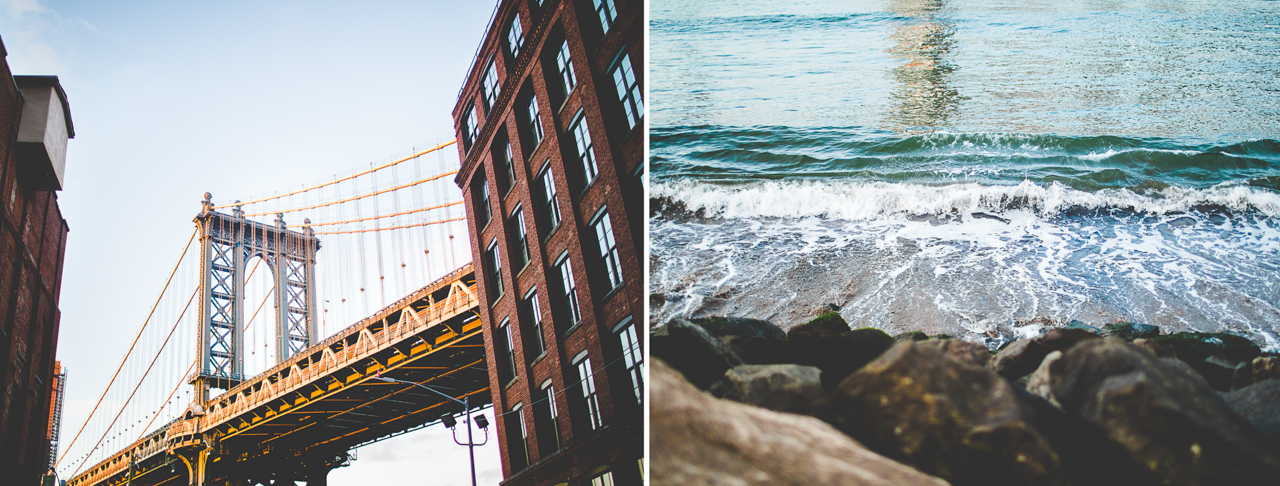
449,421
482,422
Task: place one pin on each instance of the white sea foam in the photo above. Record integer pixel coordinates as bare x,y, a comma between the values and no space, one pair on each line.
858,200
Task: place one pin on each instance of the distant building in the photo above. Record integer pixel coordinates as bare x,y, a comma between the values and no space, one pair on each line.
55,410
550,124
35,123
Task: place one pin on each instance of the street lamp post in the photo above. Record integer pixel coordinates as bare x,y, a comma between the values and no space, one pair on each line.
449,422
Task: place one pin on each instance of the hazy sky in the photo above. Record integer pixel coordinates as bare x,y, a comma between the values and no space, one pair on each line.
174,99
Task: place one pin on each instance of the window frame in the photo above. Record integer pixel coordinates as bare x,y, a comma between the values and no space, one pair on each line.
633,356
564,65
496,269
585,148
533,307
522,237
489,86
569,287
515,36
607,12
509,364
551,200
586,379
535,120
612,260
630,95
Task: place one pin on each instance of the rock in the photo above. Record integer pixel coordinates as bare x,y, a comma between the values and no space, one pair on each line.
1130,331
1259,404
969,352
1214,355
1023,356
1195,347
911,336
753,340
700,440
1265,368
781,387
944,416
693,351
828,344
1039,383
1221,372
1083,327
1158,350
1161,412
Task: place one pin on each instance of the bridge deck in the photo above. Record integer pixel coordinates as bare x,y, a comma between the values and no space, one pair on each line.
323,400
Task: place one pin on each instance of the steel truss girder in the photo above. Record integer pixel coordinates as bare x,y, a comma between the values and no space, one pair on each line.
228,243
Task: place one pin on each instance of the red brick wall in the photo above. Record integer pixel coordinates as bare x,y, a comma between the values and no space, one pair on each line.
618,445
32,245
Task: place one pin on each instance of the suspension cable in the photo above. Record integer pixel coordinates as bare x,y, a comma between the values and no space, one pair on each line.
362,196
181,380
389,228
335,181
144,376
131,346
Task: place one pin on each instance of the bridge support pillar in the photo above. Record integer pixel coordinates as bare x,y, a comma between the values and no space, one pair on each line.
197,465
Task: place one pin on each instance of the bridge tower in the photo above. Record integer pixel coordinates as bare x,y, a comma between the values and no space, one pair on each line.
227,242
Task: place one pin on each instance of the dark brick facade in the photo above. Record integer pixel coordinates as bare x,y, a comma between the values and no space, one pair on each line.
33,238
584,441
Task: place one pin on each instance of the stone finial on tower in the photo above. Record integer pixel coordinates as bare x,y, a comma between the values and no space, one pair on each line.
306,227
280,220
238,212
206,206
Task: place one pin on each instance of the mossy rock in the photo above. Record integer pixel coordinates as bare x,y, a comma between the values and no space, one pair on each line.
827,343
1195,347
1130,331
1083,327
912,336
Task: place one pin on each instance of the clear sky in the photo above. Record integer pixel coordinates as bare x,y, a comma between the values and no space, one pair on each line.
174,99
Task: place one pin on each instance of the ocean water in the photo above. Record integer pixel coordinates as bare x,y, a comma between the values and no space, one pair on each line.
983,169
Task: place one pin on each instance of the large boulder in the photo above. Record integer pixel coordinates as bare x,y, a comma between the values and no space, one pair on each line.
1265,368
782,387
753,340
966,351
1259,404
945,416
1161,412
1022,357
827,344
1040,382
688,347
700,440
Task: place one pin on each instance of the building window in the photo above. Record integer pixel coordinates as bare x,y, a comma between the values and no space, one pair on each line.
532,317
608,14
605,479
632,357
608,250
515,36
506,353
544,420
552,204
508,169
566,69
518,438
522,237
489,86
535,121
570,290
588,384
469,128
480,193
494,261
624,78
586,152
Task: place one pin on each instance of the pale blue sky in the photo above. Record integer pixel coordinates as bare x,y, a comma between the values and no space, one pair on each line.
236,98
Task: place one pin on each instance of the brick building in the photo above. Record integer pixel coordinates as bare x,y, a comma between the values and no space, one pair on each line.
551,129
35,123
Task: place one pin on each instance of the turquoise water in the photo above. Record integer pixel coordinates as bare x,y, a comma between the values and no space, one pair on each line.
983,169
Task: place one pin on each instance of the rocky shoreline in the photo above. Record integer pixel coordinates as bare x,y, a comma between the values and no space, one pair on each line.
739,401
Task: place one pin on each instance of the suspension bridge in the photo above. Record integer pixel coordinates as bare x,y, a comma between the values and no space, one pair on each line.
203,396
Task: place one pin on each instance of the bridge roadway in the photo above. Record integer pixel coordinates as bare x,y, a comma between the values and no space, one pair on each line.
297,420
